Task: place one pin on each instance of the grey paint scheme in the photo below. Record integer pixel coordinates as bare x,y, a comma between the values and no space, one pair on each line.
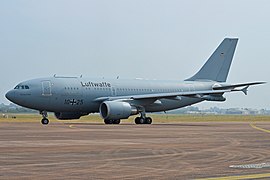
71,94
35,99
218,65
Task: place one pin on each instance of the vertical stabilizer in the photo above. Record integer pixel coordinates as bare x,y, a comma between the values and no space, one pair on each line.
218,65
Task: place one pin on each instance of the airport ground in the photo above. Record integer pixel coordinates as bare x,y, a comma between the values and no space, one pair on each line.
173,147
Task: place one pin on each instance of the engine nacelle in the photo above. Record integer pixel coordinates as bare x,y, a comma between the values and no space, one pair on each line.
116,110
67,115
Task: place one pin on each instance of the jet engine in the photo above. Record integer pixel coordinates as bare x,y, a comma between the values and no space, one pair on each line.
117,110
67,115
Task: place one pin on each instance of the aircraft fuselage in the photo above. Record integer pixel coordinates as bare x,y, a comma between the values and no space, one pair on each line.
72,94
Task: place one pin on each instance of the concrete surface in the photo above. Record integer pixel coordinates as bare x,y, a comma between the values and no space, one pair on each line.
128,151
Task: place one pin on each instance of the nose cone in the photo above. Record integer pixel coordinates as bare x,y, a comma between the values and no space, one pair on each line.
10,95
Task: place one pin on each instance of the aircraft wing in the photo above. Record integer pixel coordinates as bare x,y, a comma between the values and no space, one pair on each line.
233,87
196,94
162,95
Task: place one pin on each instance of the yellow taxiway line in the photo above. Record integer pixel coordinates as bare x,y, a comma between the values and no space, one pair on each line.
258,128
250,176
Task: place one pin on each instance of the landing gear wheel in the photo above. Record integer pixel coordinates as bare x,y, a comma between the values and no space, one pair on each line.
108,121
45,121
142,121
137,120
148,120
117,121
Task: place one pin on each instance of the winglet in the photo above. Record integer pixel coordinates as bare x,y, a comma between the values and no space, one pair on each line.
235,87
245,90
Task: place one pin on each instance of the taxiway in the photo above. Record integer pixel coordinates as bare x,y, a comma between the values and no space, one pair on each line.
128,151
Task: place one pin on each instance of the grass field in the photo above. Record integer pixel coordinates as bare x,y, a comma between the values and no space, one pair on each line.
156,118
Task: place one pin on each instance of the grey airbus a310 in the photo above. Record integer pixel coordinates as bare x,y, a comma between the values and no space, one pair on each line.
116,99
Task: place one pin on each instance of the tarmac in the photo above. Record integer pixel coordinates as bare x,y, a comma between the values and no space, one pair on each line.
201,150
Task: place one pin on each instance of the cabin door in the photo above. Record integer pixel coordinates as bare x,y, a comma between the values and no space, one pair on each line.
46,88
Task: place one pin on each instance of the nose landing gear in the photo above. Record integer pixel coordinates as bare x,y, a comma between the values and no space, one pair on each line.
44,120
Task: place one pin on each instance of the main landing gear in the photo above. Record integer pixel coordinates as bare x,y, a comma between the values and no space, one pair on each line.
110,121
143,119
138,120
44,120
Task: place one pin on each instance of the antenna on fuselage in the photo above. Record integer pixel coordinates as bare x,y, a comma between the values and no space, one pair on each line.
81,76
117,77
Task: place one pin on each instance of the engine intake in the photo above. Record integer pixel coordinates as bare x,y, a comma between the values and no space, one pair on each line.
117,110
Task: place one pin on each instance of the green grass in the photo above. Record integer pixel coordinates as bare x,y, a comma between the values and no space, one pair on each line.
156,118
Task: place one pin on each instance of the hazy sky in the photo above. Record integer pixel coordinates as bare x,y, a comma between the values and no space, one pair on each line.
154,39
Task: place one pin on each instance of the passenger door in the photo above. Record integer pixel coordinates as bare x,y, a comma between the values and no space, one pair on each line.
46,88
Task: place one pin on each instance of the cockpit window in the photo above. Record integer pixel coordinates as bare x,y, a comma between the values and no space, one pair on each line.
22,87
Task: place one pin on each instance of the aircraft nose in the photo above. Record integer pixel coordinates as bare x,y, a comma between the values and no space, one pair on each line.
10,95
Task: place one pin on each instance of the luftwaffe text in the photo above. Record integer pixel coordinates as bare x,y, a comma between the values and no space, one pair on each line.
95,84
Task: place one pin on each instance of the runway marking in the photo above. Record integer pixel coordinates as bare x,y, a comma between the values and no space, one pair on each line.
252,166
258,128
250,176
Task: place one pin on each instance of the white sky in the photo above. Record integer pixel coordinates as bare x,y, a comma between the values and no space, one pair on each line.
154,39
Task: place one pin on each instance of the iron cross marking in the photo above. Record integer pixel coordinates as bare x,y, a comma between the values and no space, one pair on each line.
73,101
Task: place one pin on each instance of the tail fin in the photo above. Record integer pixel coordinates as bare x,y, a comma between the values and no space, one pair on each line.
218,65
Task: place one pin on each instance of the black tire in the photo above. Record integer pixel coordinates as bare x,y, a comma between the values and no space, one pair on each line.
148,120
108,121
45,121
117,121
137,120
142,121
